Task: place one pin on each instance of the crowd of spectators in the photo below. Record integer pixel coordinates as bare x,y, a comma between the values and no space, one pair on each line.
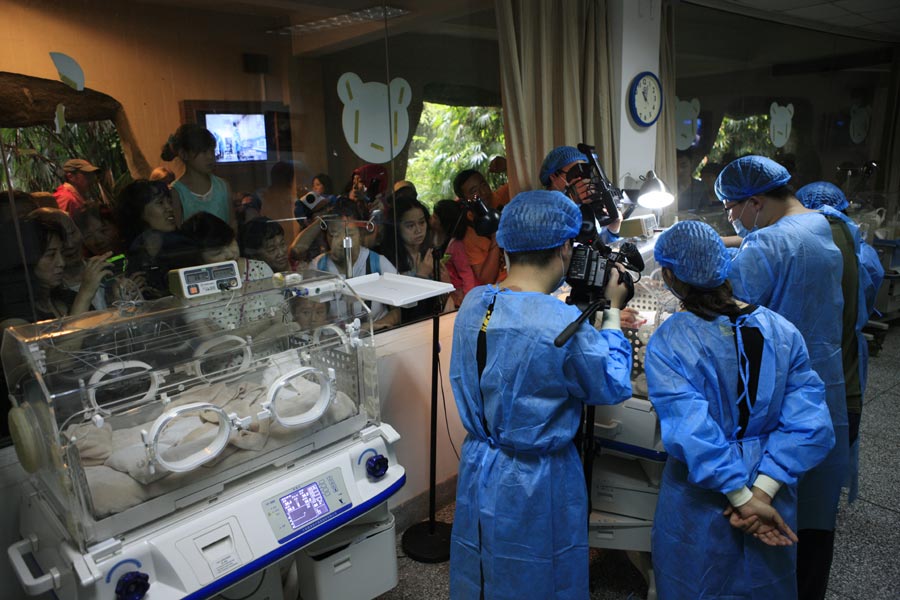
83,253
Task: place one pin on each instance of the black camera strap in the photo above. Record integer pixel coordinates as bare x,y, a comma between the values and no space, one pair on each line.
481,358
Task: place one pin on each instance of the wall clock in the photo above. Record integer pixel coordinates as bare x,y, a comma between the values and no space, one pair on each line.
645,99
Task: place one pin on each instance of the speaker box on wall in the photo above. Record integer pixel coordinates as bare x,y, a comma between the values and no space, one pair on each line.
256,63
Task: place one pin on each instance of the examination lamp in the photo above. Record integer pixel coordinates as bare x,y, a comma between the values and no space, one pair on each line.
654,194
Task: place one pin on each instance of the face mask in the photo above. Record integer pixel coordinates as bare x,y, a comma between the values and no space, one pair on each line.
740,229
738,225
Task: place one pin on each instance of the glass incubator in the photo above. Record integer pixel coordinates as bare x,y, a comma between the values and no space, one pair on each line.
186,443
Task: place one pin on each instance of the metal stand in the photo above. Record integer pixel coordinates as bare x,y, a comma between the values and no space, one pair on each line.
429,541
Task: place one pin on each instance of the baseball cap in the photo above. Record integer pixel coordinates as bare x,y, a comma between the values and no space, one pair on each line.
79,164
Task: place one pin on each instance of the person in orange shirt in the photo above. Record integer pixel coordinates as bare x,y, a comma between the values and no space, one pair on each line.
483,253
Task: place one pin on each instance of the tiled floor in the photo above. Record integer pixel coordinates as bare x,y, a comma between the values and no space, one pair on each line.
868,536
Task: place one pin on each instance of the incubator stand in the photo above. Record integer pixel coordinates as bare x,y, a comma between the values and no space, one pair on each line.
628,465
177,447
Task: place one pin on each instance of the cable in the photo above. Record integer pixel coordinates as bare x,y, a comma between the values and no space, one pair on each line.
444,401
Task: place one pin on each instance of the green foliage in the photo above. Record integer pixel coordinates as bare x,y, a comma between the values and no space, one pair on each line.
450,139
740,137
36,154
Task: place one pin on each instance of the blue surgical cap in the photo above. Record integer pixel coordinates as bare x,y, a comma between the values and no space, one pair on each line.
749,176
538,220
557,159
695,254
820,193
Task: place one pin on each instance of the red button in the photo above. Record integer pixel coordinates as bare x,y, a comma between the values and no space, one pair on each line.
193,289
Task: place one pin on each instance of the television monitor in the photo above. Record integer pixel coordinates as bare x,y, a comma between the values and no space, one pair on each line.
239,137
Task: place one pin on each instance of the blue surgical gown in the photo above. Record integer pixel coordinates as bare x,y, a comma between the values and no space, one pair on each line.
520,529
871,273
793,268
692,376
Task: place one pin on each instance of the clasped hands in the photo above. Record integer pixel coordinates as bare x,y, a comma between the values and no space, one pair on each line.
760,519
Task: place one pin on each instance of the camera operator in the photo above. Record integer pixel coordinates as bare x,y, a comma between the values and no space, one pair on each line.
521,506
482,251
560,172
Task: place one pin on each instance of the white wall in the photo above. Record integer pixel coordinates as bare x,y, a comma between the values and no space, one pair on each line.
634,47
404,381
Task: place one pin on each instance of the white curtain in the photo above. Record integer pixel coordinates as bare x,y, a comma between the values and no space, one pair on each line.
665,163
555,80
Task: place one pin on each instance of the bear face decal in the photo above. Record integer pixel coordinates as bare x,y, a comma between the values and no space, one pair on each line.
686,122
780,124
859,123
375,118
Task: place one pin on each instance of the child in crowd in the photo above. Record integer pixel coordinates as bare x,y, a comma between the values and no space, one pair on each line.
198,189
263,239
346,221
449,225
407,243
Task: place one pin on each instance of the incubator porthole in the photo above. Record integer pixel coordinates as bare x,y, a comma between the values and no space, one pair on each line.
222,357
300,397
188,436
116,385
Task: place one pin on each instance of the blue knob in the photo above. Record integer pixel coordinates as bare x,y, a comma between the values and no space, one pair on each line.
376,466
133,585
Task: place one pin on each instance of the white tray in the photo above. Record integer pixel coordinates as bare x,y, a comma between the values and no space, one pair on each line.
397,290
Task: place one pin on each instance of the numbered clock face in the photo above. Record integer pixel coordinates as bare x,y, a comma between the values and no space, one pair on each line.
645,99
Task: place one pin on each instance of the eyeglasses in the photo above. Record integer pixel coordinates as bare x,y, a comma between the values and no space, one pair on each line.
728,207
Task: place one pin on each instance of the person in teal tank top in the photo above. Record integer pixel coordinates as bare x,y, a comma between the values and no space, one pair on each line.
198,189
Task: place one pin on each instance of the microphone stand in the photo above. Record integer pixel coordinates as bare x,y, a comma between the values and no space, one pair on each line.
429,541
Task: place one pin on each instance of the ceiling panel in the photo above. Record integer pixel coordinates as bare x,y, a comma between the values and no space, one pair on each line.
849,17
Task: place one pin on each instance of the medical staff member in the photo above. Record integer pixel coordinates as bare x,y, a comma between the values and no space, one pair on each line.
830,201
788,263
555,175
743,416
520,529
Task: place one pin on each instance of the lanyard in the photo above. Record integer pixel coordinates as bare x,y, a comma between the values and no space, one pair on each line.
481,357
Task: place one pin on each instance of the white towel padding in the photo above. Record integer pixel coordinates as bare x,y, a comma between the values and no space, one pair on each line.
133,461
131,456
112,491
94,443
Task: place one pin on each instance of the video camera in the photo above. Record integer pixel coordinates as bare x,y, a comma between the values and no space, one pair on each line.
485,220
593,262
591,267
601,206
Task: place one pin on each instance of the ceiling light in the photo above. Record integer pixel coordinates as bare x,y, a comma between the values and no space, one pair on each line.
366,15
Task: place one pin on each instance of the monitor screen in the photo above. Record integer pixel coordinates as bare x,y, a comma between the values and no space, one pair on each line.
239,138
304,505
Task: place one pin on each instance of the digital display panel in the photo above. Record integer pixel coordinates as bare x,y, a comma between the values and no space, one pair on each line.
223,272
196,276
304,505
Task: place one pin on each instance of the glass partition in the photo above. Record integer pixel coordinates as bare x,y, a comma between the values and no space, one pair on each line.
142,137
817,102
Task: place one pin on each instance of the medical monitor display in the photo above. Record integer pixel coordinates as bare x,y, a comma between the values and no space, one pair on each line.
239,137
304,505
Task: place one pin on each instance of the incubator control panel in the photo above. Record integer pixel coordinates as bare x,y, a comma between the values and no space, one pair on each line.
203,280
302,507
